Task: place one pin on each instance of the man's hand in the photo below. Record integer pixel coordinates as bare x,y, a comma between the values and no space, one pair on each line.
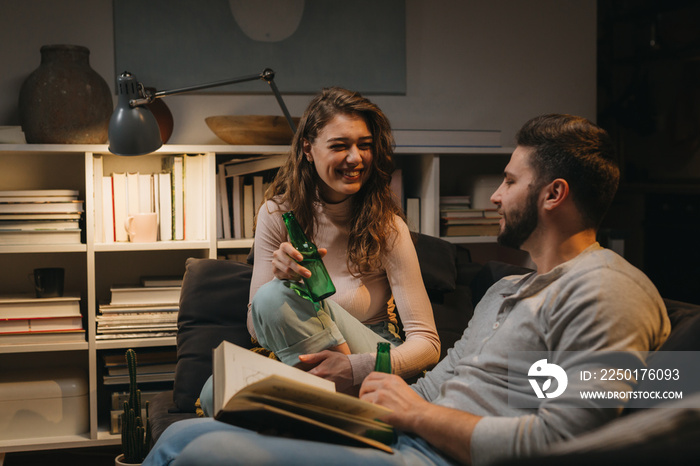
392,392
447,429
331,365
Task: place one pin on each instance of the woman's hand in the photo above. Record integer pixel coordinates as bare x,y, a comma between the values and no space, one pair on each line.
331,365
286,263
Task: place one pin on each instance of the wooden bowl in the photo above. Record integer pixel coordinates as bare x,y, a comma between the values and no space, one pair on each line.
252,129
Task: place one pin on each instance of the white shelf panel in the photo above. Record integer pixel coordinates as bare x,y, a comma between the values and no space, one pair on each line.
39,347
157,246
50,443
134,343
454,150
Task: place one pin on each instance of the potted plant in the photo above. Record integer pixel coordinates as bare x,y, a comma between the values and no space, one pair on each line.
136,432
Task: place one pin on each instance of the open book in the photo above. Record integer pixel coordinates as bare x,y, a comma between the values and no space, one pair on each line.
261,394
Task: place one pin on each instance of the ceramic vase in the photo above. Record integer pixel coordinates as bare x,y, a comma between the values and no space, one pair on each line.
64,101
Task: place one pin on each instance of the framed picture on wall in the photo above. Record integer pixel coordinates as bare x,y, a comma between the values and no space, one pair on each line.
310,44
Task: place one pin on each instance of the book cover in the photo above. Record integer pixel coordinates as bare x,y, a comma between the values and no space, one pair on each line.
165,207
41,207
193,186
31,225
145,295
248,211
40,193
97,185
39,324
107,210
223,202
52,336
237,167
40,237
259,393
132,193
28,306
471,230
178,199
237,206
119,190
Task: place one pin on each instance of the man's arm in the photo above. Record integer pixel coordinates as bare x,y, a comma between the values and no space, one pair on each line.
449,430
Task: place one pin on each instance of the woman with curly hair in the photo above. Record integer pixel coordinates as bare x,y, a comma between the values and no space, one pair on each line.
337,182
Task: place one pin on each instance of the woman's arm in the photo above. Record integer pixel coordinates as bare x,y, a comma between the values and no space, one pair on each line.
421,349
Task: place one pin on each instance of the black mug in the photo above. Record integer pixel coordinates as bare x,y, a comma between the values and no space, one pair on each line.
48,282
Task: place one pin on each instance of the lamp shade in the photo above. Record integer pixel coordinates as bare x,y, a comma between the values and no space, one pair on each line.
132,130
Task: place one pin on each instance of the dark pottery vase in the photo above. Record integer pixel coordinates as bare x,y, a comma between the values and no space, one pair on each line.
64,101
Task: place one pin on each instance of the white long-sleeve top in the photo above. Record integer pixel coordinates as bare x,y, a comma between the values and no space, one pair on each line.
371,298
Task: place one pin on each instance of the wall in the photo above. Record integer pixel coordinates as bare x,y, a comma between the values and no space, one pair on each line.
476,64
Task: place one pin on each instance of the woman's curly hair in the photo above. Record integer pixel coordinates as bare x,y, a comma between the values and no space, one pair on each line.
374,207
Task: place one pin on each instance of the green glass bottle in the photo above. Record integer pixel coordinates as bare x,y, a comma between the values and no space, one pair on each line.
383,362
319,284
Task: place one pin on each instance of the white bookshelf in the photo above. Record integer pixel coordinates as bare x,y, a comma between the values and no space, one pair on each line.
93,266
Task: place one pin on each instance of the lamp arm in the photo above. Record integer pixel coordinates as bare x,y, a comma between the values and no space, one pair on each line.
267,75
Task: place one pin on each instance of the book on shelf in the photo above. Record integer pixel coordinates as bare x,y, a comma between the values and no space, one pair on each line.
142,357
52,336
161,280
259,393
223,206
447,138
413,214
140,328
41,216
153,377
174,165
107,213
456,200
41,207
49,194
118,398
245,166
98,188
135,320
165,207
237,206
32,225
130,335
146,203
28,306
122,294
193,190
138,308
467,213
142,369
119,193
248,211
40,237
471,230
40,324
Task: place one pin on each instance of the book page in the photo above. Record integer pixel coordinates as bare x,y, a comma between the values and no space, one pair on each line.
236,367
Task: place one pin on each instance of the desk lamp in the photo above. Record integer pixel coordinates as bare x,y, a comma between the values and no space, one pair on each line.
133,129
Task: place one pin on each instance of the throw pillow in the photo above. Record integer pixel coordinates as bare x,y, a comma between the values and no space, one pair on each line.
213,308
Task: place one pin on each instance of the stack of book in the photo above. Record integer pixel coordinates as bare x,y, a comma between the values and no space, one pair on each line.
26,319
458,218
40,216
151,366
146,311
241,185
176,194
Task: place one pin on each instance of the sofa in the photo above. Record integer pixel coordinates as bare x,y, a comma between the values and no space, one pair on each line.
213,306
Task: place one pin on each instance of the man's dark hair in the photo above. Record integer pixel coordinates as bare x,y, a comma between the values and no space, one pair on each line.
578,151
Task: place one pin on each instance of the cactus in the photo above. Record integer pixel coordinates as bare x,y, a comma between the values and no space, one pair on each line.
136,435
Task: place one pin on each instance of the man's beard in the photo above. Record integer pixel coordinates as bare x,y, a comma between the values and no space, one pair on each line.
520,224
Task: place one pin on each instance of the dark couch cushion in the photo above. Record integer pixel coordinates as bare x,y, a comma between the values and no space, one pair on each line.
213,307
437,259
489,274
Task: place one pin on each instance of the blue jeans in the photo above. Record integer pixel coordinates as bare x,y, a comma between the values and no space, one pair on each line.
290,325
206,441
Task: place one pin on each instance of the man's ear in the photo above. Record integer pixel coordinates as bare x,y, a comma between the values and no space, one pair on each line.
555,193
